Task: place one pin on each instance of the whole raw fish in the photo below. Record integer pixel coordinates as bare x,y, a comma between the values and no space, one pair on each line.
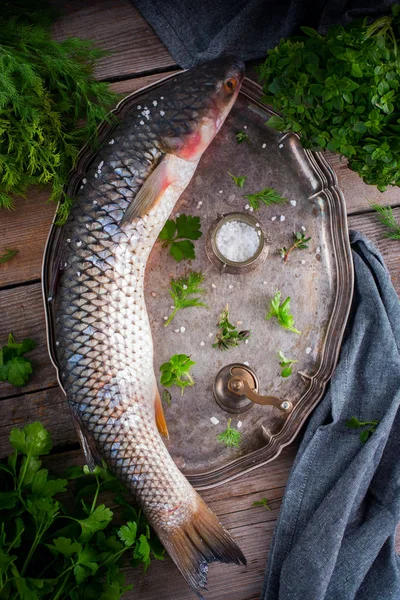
99,333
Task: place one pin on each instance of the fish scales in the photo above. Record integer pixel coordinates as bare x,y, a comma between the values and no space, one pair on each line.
104,350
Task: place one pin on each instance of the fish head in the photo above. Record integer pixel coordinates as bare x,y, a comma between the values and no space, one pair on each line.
199,104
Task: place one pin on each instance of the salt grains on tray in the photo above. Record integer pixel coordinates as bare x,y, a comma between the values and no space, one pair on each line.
237,241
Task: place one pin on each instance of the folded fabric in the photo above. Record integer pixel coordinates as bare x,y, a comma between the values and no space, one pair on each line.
195,31
334,539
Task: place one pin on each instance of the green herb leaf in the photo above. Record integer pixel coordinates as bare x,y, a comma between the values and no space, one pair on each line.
176,372
228,335
386,217
96,521
185,228
65,546
7,255
14,367
263,502
127,533
166,397
32,440
300,242
241,136
183,291
286,364
239,181
368,427
282,312
267,196
231,437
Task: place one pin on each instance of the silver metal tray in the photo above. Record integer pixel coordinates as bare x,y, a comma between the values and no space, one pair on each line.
319,281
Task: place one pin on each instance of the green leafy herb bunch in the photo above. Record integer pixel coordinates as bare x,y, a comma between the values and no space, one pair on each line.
57,547
47,90
342,93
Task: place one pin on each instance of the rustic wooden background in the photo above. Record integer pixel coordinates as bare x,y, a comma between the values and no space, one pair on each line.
137,58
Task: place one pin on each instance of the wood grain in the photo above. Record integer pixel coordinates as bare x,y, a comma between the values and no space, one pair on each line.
117,27
22,313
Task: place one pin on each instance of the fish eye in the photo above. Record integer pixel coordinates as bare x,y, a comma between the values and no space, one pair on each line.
230,84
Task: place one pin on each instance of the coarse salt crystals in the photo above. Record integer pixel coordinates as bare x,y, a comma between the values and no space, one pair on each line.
237,241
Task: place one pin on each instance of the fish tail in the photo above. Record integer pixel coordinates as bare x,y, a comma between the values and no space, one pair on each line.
198,542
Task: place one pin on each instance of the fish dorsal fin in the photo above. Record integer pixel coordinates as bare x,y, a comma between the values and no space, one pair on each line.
160,416
150,192
92,458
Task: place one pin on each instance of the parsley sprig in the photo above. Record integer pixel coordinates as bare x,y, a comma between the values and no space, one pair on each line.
341,91
263,502
228,335
55,549
176,235
386,217
182,292
286,364
176,372
368,427
241,136
239,181
300,242
231,437
267,196
282,312
14,367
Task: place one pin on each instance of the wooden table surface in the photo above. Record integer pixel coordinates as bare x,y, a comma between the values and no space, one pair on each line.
137,58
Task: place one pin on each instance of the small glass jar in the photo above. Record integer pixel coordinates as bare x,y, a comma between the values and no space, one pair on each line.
229,266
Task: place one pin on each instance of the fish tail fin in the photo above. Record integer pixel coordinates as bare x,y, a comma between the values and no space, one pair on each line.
160,416
198,542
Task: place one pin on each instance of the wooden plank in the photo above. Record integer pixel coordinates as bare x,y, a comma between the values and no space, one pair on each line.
357,193
22,314
390,249
25,229
117,27
48,406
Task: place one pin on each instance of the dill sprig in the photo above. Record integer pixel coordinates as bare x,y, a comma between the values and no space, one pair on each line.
267,196
50,104
386,217
230,436
7,255
182,292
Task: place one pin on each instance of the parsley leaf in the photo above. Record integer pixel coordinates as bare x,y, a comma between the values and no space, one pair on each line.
182,292
300,242
7,255
127,533
176,372
239,181
267,196
241,136
185,228
262,502
386,217
231,437
286,364
228,335
281,312
368,427
14,367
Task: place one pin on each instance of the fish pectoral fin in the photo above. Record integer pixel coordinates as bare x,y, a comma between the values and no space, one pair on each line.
151,190
92,457
160,416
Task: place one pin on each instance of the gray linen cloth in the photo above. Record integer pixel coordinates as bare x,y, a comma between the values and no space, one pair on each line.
199,30
334,539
